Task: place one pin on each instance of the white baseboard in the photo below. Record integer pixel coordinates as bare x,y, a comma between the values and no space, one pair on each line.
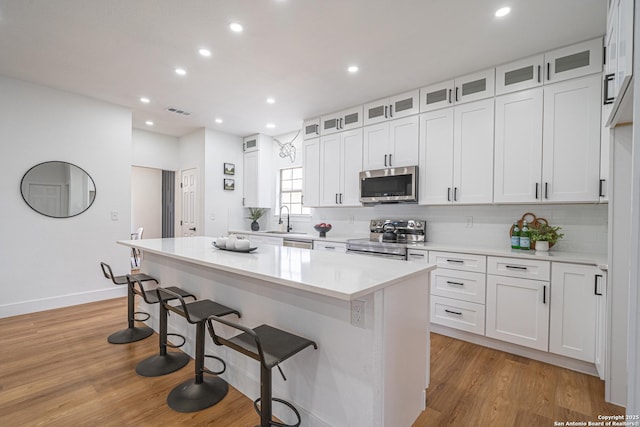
33,306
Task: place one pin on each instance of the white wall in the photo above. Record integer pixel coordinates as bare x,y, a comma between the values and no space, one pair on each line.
146,201
154,150
48,262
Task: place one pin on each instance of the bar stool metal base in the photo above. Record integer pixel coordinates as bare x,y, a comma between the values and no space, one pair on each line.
128,335
191,396
159,365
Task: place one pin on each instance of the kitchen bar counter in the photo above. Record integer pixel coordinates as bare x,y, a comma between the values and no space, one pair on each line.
370,369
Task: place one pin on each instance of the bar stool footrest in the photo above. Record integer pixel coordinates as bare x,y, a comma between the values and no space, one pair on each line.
285,403
158,365
129,335
168,344
224,365
145,315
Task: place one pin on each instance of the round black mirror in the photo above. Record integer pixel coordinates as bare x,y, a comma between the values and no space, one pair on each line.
58,189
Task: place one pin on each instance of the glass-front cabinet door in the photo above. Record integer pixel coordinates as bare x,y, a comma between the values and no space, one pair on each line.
476,86
311,128
518,75
436,96
574,61
394,107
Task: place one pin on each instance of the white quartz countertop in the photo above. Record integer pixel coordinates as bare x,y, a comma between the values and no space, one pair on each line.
309,237
341,276
598,260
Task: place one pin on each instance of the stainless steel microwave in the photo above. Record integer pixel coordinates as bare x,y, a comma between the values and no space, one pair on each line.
392,185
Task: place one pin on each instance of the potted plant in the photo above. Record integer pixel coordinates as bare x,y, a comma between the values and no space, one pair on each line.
545,236
254,215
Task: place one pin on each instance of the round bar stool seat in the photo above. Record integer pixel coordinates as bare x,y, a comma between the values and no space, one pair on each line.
200,392
270,346
132,333
165,362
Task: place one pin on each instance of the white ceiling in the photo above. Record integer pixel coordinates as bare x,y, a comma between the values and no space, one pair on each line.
296,51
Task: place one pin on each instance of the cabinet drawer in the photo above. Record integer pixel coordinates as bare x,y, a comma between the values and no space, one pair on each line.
463,315
329,246
457,261
514,267
460,285
418,255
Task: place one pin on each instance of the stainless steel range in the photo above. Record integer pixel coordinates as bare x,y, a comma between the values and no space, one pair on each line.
389,238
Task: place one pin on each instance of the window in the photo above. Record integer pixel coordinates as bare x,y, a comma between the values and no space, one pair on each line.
291,191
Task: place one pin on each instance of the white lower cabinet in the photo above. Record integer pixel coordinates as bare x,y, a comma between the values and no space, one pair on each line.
574,310
458,291
518,301
330,246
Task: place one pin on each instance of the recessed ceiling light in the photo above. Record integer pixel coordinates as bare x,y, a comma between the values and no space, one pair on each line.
271,125
353,69
218,120
204,52
145,100
503,11
148,123
181,71
235,27
271,100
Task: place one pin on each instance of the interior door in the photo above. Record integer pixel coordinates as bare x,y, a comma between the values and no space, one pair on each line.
189,187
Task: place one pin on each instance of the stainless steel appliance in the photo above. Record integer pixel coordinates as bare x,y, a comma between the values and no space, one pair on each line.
392,185
389,238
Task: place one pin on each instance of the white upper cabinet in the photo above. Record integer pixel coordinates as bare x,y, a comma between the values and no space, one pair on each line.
340,166
571,141
343,120
391,144
394,107
518,147
456,154
468,88
573,61
518,75
311,172
311,128
258,172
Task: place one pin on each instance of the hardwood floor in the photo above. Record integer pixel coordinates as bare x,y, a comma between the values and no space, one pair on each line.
57,369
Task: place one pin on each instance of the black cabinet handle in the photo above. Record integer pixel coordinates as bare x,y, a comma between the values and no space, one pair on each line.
450,96
385,160
595,285
546,190
516,267
417,255
456,93
340,198
457,261
448,194
544,294
385,112
548,71
336,198
457,313
391,110
455,194
317,129
193,229
390,160
606,98
601,188
539,74
454,283
537,185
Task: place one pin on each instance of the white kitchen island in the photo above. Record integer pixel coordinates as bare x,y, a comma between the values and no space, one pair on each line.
374,375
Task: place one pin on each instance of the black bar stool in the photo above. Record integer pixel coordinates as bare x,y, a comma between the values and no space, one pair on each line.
270,346
199,393
164,362
132,333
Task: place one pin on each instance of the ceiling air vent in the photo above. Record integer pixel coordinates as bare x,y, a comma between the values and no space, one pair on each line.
178,111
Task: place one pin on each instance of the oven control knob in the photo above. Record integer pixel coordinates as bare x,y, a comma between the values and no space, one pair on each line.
419,224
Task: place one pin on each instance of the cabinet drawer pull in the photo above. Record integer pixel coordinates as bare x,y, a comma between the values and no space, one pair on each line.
516,267
595,285
544,294
332,248
453,312
417,255
454,283
457,261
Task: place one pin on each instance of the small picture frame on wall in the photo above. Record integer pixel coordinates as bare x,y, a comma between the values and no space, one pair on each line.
229,169
229,184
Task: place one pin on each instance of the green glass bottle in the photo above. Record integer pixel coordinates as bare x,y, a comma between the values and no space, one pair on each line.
515,236
525,237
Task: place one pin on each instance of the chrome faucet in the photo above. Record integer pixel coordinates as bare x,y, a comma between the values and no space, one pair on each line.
289,228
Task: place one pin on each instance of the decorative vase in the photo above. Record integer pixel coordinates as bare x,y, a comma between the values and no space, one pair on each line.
542,246
255,226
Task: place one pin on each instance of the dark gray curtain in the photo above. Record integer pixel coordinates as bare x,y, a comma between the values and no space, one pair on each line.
168,203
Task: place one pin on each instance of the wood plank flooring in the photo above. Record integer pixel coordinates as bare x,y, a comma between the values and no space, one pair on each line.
57,369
